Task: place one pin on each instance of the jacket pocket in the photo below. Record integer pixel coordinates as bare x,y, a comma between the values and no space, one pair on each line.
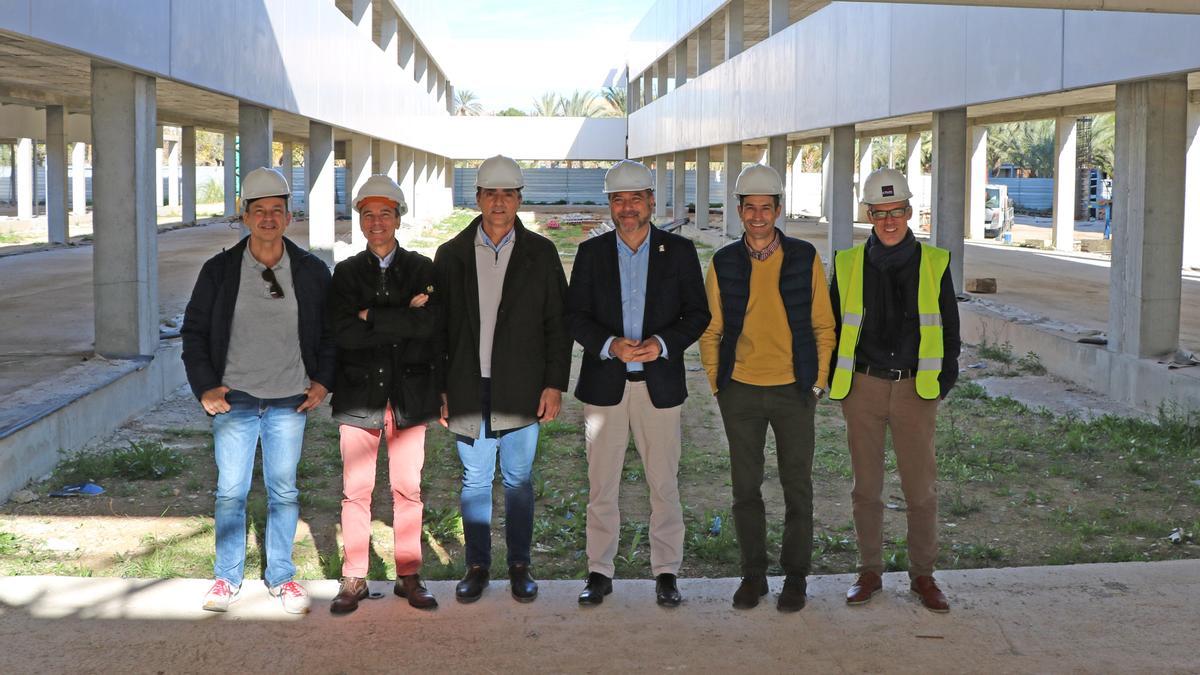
418,401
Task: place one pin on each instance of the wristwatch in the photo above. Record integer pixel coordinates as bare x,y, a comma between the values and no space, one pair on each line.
818,392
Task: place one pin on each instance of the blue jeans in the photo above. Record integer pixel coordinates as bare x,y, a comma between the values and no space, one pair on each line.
516,449
235,436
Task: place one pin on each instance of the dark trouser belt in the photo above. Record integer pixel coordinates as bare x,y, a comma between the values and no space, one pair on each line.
884,373
639,376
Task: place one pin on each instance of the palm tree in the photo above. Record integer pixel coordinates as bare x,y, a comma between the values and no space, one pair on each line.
466,103
615,98
580,104
547,105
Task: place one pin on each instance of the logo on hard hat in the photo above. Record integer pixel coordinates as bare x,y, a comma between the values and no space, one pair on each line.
889,190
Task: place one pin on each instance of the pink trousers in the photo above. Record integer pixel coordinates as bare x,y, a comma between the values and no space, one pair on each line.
406,455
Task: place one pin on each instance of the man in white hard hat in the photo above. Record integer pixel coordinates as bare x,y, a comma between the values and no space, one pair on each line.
897,356
384,320
508,360
766,353
259,356
632,377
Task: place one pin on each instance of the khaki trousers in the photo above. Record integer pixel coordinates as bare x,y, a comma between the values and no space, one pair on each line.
657,436
873,406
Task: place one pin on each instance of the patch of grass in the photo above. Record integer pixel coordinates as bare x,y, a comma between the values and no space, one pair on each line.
976,555
895,557
707,543
957,505
826,544
996,352
444,524
1031,363
10,544
140,460
968,390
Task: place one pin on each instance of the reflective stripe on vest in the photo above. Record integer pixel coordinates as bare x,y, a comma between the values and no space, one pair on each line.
848,266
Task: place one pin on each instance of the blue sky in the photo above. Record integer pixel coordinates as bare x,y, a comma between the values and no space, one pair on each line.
509,53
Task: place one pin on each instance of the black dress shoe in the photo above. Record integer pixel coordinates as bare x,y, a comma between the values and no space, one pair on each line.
412,588
792,597
522,585
751,589
597,587
472,585
667,591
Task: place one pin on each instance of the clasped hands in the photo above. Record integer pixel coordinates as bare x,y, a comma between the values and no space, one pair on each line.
635,351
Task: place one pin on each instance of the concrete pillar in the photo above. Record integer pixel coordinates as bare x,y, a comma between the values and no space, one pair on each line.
420,165
1065,179
681,64
255,135
406,48
319,186
912,166
421,61
777,15
173,174
125,257
679,186
360,16
662,76
633,95
648,86
79,179
158,169
358,170
733,167
703,48
777,159
950,186
188,156
1144,295
375,155
977,172
229,157
702,181
407,177
387,159
866,159
56,174
837,170
450,98
660,188
389,25
25,172
735,33
1191,212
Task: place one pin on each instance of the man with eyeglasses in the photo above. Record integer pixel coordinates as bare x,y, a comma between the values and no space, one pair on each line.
897,357
259,356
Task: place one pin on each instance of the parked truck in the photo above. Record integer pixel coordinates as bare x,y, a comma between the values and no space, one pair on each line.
998,211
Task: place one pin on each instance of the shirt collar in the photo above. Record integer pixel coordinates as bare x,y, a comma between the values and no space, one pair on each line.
624,248
283,263
386,261
766,252
481,239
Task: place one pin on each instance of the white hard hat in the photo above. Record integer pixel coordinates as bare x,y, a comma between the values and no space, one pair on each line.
264,182
381,186
758,179
884,187
499,173
628,176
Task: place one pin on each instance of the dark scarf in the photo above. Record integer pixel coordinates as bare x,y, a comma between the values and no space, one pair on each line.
889,293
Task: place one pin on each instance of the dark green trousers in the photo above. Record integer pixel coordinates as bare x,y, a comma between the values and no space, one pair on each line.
746,411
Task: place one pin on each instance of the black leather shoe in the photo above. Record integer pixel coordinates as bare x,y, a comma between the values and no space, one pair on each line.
597,587
667,591
522,585
472,585
748,593
793,595
412,588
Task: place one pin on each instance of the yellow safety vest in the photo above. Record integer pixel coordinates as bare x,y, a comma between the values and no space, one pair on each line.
931,348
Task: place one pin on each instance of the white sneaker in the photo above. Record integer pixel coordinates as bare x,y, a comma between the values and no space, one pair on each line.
294,597
220,596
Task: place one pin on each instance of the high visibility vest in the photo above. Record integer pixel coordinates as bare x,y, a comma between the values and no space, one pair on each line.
931,348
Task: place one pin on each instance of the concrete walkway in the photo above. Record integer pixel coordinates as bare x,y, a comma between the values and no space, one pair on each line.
1133,617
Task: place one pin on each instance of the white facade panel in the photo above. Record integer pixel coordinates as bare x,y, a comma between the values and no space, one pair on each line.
816,84
126,31
929,57
1011,51
1104,47
857,39
667,22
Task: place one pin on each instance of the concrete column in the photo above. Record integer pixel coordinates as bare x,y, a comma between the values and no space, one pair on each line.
450,98
866,159
1065,179
389,24
24,162
375,155
735,33
360,16
681,64
733,167
1144,295
56,174
320,186
79,179
158,169
648,86
660,188
777,14
777,159
125,257
407,177
255,134
912,165
387,159
679,187
188,152
229,157
421,63
1191,212
950,186
633,95
419,207
976,181
703,173
358,170
837,170
173,174
406,48
703,48
662,76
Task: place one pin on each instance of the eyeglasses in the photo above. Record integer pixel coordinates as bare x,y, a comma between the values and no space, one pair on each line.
892,213
268,275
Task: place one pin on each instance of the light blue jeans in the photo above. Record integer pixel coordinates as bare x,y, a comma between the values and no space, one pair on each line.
235,436
516,449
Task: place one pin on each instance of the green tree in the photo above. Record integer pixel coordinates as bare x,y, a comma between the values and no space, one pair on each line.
512,112
614,97
547,105
580,104
1025,145
467,104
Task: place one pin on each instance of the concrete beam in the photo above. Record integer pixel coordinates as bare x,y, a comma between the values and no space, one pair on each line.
950,187
319,198
1080,110
188,164
229,158
732,168
1066,177
24,161
56,175
703,172
1148,196
735,31
837,202
1191,212
977,172
358,170
125,259
679,186
660,188
777,159
79,179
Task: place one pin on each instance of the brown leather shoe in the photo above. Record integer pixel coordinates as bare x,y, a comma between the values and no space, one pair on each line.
864,588
931,596
350,592
413,588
